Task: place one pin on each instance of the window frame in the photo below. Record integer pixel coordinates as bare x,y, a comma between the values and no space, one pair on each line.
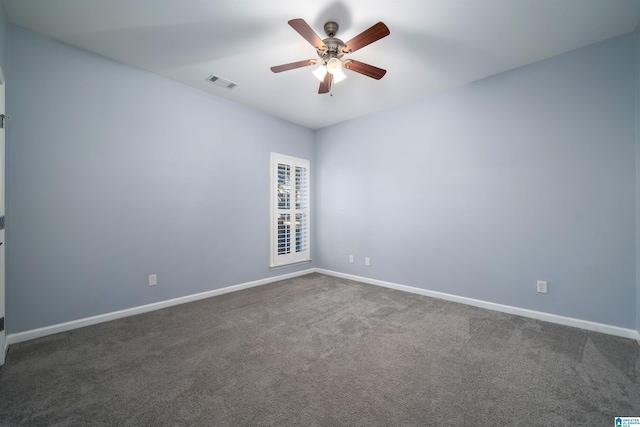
293,257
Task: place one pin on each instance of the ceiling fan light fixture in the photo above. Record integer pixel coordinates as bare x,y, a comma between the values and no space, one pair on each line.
334,65
339,76
320,72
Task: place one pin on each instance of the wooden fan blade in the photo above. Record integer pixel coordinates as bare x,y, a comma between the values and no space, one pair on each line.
293,65
366,69
367,37
301,26
325,86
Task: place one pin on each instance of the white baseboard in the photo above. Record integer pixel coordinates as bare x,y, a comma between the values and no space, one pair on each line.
547,317
74,324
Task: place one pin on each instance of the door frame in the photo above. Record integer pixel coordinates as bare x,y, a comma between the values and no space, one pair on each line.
3,340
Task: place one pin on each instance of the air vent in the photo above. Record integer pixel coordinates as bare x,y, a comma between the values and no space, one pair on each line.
219,81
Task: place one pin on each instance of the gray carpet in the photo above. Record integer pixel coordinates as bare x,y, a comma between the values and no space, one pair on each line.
321,351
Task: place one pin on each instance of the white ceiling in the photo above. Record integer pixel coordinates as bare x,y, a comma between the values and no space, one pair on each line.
434,44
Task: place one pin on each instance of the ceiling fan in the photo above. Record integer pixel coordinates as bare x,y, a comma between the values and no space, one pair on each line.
332,49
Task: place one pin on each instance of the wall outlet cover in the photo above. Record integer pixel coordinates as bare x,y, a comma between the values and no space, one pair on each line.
542,287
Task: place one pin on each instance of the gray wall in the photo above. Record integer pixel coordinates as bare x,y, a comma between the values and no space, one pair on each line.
482,190
115,173
637,39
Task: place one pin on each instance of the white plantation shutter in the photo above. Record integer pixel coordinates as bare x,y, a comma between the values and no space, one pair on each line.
290,235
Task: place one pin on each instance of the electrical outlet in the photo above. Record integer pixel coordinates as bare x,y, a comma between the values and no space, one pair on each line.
542,287
351,259
367,261
153,279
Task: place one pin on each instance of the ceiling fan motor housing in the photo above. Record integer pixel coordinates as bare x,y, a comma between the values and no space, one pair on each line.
333,46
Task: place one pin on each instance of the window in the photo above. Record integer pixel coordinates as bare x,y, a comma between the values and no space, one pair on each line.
290,238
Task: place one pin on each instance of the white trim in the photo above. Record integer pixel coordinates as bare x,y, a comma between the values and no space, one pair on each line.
292,258
295,264
3,356
79,323
547,317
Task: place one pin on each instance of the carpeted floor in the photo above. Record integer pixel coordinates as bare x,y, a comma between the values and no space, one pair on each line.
321,351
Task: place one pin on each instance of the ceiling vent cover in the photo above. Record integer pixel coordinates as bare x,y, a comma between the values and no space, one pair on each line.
219,81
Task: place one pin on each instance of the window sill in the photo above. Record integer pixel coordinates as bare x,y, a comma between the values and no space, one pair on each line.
293,264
